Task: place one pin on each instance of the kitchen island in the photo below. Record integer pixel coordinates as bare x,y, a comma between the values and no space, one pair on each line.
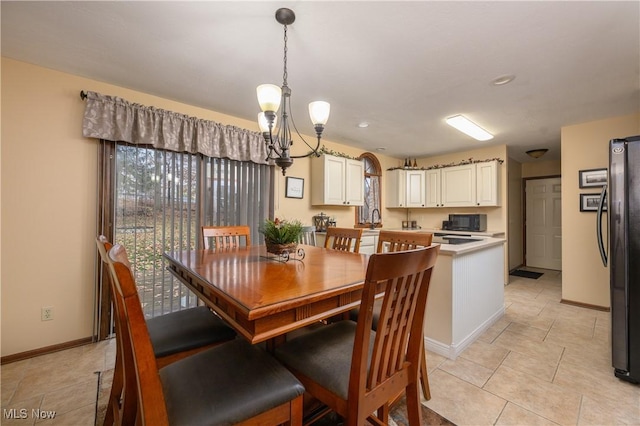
466,295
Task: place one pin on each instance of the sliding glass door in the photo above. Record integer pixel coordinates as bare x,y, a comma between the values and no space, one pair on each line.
153,201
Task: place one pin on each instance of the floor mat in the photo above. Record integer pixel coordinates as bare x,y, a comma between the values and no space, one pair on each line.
526,274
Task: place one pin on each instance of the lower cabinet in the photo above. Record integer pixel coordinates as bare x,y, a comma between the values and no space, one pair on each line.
368,244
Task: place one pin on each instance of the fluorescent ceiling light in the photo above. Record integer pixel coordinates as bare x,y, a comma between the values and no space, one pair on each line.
469,127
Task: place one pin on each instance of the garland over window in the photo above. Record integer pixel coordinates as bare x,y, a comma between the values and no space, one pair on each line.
115,119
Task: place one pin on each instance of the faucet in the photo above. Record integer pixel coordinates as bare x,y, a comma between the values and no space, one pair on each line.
373,214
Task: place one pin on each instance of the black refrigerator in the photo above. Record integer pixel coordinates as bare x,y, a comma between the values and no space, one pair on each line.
621,197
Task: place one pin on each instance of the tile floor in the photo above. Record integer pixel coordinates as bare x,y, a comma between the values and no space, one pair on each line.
542,363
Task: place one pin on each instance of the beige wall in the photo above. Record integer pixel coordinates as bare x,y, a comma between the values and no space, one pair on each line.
585,146
48,176
541,168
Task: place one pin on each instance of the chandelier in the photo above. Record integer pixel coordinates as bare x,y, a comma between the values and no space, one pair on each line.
275,130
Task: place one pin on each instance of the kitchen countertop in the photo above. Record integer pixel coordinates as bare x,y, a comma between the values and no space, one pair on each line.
459,249
487,239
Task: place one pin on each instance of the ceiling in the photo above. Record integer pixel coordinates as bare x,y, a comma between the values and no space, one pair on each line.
403,67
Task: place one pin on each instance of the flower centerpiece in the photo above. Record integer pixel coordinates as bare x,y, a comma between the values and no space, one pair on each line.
281,236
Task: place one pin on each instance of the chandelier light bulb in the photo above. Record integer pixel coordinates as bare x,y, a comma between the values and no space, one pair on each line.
269,97
263,122
319,112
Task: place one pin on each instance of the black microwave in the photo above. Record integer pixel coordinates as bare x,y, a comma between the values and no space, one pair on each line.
466,222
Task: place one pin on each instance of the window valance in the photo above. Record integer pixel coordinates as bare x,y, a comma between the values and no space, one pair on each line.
115,119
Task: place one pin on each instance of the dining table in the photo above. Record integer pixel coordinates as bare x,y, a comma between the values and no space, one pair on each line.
264,296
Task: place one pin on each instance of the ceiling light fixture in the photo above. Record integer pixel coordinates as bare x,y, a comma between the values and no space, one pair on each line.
537,153
469,127
504,79
363,124
271,97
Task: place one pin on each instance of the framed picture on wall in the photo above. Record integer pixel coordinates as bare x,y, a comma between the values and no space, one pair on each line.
294,187
590,202
592,178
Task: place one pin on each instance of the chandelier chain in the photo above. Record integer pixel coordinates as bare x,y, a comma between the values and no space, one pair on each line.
284,74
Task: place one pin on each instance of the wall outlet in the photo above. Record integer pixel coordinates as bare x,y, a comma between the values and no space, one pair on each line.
46,314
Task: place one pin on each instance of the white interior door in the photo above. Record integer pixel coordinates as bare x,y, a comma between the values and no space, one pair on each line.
543,223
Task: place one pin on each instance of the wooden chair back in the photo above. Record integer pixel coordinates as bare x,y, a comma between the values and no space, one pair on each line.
140,368
122,404
395,361
343,239
308,236
389,241
225,236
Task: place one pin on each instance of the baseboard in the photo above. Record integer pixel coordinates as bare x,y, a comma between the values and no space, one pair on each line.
438,347
46,350
585,305
452,351
473,336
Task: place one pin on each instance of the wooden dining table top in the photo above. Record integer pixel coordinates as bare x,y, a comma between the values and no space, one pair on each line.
264,298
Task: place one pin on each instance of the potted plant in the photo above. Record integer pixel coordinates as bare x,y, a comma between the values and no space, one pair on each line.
281,235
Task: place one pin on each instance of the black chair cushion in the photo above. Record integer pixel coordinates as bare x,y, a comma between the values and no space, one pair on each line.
187,329
225,385
324,355
377,307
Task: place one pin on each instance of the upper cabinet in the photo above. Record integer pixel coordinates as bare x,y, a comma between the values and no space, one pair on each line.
488,184
468,185
434,183
458,186
337,181
406,188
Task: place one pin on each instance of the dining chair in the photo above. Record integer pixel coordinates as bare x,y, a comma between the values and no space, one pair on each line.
356,371
345,239
232,383
225,236
173,336
402,240
392,241
308,236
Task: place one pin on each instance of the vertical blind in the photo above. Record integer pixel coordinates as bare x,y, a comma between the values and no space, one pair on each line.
162,198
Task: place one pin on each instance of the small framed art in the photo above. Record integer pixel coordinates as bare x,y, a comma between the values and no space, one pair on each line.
590,202
592,178
294,187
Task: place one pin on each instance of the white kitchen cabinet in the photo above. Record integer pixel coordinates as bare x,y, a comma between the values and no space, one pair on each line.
396,188
406,188
416,188
337,181
458,186
488,184
433,184
468,185
368,244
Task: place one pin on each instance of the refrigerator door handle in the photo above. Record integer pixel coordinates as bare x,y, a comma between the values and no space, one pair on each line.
603,254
